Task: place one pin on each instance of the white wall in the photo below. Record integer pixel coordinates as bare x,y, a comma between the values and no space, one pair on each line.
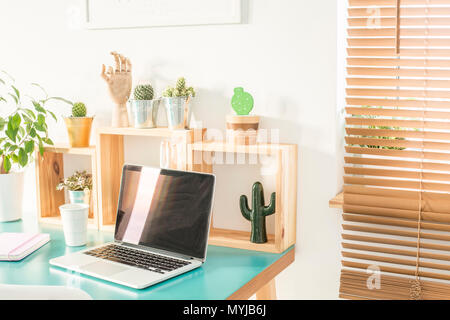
285,55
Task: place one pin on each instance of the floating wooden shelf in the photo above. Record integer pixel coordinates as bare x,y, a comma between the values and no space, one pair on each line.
240,239
50,171
153,132
337,202
110,144
219,146
199,159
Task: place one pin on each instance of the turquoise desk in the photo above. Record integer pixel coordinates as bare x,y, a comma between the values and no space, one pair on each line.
227,274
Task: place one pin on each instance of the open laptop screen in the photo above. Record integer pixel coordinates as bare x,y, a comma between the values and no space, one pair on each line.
165,209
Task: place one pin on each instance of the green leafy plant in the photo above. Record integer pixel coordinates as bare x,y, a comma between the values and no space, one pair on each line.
79,181
79,110
143,92
25,127
180,90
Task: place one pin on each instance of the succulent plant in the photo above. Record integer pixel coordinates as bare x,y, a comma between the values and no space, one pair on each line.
180,90
242,102
257,215
79,181
79,110
143,92
181,84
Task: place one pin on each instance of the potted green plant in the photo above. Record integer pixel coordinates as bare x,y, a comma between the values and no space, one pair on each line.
79,126
22,129
79,186
177,101
143,109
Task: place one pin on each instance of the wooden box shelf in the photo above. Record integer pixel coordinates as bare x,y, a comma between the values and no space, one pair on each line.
50,171
199,159
110,160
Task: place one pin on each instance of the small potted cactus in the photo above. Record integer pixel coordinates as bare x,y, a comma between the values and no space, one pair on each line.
143,109
242,128
178,107
79,126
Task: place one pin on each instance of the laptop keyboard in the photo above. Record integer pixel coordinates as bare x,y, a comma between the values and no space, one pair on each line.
137,258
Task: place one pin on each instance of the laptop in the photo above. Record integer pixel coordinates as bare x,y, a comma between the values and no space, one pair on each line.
161,229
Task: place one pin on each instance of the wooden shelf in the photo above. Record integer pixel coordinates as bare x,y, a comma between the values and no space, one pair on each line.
240,240
50,171
199,159
92,224
337,202
222,146
110,160
153,132
67,149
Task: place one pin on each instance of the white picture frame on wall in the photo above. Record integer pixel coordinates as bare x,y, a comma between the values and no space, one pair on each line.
120,14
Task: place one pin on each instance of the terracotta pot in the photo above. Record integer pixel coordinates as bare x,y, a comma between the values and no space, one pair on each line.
242,129
79,131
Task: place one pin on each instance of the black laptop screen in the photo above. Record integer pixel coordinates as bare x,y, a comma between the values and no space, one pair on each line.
165,209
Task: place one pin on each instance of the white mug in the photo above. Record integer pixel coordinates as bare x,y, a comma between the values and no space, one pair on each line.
75,220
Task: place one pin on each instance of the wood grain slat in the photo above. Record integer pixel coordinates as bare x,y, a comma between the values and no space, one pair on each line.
388,82
399,103
392,3
427,135
404,12
394,62
390,52
398,123
420,94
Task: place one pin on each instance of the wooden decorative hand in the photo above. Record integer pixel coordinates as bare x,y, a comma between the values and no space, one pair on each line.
119,85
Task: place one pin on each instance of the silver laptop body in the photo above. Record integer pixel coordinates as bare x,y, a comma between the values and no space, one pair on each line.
161,230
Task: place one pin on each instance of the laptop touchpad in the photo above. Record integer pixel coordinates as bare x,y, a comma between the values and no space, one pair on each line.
103,268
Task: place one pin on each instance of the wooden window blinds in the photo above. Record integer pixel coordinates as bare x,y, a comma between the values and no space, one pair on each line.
396,212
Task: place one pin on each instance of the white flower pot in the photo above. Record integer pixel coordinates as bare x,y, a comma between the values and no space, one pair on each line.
79,196
75,221
11,196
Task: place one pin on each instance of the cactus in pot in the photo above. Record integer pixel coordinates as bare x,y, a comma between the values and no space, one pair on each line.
180,90
79,126
177,101
143,109
143,92
257,215
79,109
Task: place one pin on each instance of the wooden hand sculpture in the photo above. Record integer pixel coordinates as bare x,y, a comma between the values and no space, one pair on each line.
119,86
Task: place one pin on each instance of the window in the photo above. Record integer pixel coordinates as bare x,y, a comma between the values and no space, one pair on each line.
396,213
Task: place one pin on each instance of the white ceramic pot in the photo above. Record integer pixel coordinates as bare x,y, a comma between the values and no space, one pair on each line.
79,196
75,221
11,196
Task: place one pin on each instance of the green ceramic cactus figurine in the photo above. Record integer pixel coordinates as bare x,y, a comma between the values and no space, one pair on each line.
257,215
242,102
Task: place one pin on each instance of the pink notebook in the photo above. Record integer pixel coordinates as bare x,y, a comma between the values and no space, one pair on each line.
16,246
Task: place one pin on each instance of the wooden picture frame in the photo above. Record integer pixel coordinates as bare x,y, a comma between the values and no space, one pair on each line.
119,14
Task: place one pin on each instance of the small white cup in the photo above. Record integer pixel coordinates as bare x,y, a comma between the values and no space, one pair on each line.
75,220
